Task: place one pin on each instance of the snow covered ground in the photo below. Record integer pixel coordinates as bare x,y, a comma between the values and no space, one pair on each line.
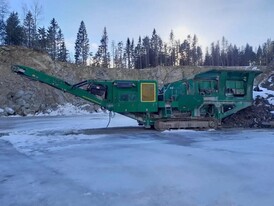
264,93
61,160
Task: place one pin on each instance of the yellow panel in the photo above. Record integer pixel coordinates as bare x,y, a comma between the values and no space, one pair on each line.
148,92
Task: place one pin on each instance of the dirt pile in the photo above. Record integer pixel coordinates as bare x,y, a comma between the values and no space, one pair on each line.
256,116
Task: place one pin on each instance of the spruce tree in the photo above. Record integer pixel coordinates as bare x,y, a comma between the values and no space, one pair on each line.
128,53
146,52
2,31
81,45
3,13
118,57
105,53
230,60
102,57
62,53
29,30
208,58
199,56
14,31
185,52
42,39
138,55
194,53
171,49
52,39
113,48
132,52
224,48
236,55
154,41
259,56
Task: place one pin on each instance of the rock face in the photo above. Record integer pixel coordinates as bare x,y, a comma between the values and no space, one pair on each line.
23,96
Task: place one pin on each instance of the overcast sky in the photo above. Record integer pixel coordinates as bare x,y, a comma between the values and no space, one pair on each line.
240,21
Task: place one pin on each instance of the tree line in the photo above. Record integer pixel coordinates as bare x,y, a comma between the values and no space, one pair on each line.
148,51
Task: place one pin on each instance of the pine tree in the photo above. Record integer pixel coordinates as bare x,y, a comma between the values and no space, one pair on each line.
62,53
224,58
29,29
138,55
171,49
216,54
146,52
208,58
42,39
14,31
2,31
248,56
230,59
113,48
132,51
128,54
194,54
37,11
102,57
212,48
236,56
177,52
52,39
3,13
118,57
165,55
3,9
185,53
155,49
199,56
81,45
104,46
189,50
268,52
259,56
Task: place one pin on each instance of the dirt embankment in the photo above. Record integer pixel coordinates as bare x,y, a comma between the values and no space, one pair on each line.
23,96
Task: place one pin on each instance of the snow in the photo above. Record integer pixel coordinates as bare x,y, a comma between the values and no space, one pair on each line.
68,157
65,110
264,93
270,80
74,160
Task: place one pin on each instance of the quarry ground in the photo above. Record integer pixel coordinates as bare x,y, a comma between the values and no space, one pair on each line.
74,160
21,96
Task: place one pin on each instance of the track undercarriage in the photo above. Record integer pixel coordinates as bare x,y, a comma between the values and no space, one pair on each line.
187,123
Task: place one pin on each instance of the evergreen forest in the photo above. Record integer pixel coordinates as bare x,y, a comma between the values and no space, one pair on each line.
144,52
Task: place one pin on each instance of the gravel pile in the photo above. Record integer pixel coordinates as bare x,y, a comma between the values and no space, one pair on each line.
257,116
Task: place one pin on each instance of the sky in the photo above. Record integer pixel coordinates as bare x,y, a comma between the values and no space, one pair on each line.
239,21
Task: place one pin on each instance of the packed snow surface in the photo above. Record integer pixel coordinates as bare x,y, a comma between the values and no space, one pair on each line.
75,160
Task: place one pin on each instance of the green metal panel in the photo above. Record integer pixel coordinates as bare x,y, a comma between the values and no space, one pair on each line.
129,99
189,102
234,90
